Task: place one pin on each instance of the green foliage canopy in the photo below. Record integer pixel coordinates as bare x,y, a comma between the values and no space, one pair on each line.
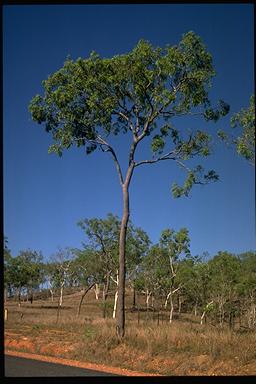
25,270
88,100
245,119
160,265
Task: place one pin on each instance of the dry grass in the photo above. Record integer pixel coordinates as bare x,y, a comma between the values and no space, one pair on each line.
181,348
147,341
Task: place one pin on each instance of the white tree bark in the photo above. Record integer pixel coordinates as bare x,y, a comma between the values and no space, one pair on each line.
170,296
51,290
115,303
148,294
254,316
97,291
171,311
61,295
202,317
204,312
167,298
116,294
195,309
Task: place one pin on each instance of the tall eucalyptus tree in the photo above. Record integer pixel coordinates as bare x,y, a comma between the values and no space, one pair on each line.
137,94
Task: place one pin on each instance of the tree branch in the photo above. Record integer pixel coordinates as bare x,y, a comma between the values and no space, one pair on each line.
125,117
175,89
182,114
183,165
101,142
167,156
118,168
117,164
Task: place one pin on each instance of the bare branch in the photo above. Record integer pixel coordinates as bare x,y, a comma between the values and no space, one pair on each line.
111,150
182,114
122,115
183,165
119,171
197,182
125,117
137,127
167,156
177,289
123,106
115,281
175,90
102,143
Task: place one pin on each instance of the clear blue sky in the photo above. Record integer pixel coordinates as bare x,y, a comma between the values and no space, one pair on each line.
45,196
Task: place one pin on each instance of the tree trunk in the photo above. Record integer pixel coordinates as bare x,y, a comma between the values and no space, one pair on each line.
58,311
167,298
97,291
148,294
120,318
221,317
134,297
179,304
19,296
51,294
106,287
61,296
105,295
152,301
231,320
103,302
171,311
195,309
5,314
202,317
82,298
254,316
115,303
116,295
240,316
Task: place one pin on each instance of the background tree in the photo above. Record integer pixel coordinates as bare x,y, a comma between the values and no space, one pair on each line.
103,238
247,286
137,246
225,269
7,269
150,275
159,267
86,270
174,245
26,272
61,270
137,93
245,119
35,272
194,278
49,278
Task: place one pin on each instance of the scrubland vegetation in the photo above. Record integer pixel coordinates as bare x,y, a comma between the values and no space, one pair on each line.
184,314
151,343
